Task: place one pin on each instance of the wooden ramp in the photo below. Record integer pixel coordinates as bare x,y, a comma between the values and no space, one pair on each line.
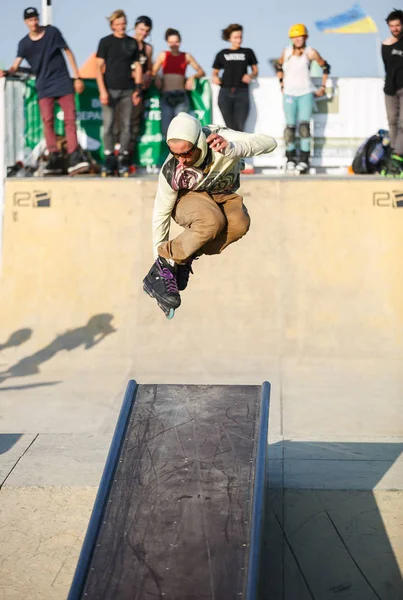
179,512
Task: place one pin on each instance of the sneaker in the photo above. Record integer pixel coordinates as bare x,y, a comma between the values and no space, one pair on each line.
123,164
78,163
303,164
302,167
183,272
160,283
110,166
291,161
55,165
394,167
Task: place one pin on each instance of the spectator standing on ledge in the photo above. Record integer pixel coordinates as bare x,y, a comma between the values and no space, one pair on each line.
119,79
392,54
233,99
142,29
174,85
42,49
293,72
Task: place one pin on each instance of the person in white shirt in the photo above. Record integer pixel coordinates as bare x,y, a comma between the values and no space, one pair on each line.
293,72
197,187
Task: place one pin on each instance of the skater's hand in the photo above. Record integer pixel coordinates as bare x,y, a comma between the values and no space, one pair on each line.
79,86
321,91
217,80
136,98
3,73
104,98
217,142
246,79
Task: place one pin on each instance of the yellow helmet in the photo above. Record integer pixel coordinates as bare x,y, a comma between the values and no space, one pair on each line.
297,30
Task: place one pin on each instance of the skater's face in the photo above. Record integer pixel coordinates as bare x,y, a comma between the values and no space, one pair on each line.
142,31
236,39
119,27
299,41
396,28
174,42
186,153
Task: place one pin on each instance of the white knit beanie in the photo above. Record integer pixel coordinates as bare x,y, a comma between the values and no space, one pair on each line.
188,128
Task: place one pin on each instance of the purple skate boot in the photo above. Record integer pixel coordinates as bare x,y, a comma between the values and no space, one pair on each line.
160,283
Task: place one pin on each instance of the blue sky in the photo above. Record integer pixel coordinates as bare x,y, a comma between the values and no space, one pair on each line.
265,24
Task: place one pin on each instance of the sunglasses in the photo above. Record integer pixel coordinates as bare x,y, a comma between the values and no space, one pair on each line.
187,154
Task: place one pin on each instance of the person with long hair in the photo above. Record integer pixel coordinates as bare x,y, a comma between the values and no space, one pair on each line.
293,72
175,85
234,63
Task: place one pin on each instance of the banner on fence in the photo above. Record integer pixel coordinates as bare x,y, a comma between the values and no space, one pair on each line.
151,149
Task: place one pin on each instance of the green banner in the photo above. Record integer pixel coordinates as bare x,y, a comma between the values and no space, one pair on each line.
151,151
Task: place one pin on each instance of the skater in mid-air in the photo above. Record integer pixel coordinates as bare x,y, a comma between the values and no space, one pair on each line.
197,188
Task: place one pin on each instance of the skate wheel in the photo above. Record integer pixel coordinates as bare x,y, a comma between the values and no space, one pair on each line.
125,174
170,314
103,174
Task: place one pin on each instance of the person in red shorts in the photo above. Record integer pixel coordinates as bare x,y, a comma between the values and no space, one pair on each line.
42,49
174,84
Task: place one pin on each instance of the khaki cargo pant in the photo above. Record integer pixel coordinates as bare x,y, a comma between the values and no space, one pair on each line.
211,222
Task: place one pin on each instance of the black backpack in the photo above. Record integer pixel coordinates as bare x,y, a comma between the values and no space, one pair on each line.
373,154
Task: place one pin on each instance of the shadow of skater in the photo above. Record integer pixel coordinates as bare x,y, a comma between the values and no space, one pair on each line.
17,338
97,328
7,441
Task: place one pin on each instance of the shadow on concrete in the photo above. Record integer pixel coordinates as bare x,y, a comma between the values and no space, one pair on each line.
333,510
91,334
28,386
17,338
7,441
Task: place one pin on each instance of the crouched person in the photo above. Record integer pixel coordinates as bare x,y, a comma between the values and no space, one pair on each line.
197,187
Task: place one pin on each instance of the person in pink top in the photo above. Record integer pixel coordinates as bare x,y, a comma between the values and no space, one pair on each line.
175,85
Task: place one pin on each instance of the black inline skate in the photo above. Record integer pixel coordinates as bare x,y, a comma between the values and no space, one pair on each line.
160,283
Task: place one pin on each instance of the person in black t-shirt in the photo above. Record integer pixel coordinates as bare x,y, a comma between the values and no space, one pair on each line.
142,29
392,54
42,49
119,79
233,99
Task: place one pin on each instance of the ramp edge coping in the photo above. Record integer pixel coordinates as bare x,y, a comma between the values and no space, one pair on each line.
101,500
259,496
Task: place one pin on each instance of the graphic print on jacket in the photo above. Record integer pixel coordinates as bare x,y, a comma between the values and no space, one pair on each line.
207,177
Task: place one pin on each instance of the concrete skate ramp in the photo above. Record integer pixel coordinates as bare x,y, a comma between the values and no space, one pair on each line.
318,275
311,300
